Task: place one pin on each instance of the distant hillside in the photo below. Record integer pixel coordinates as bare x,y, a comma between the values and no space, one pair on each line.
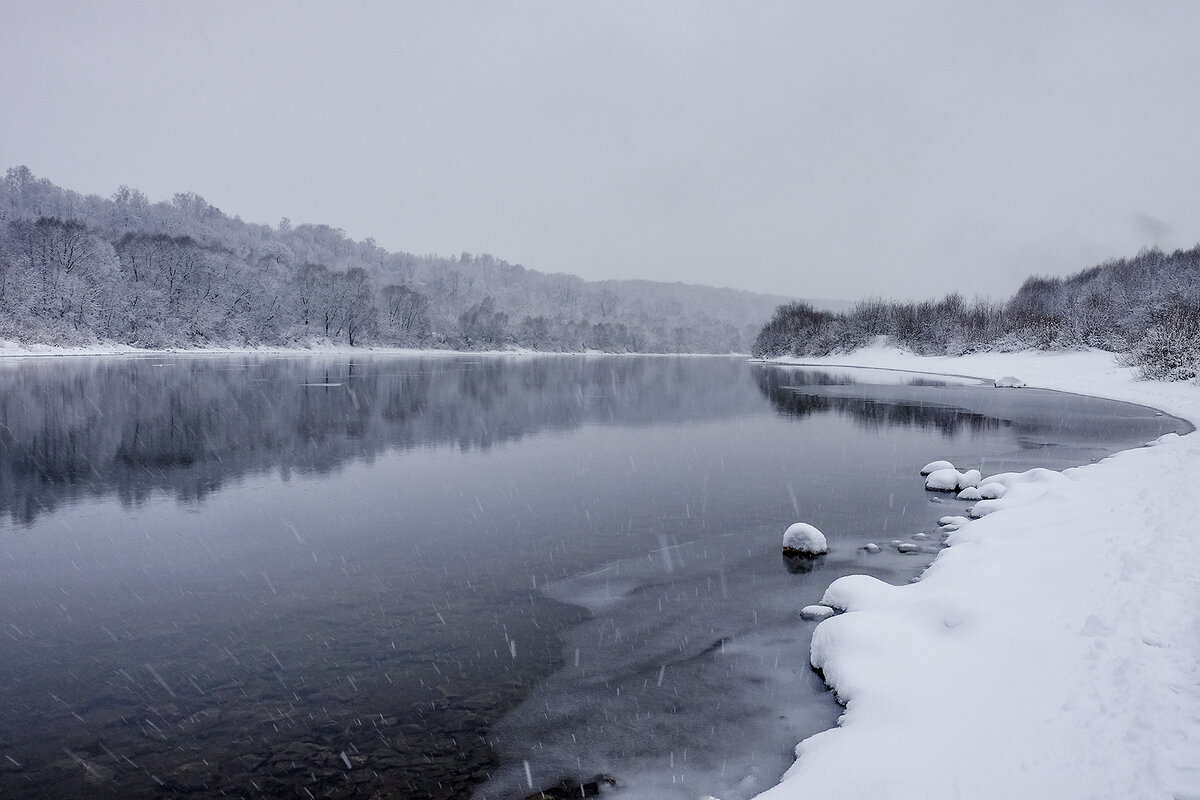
1146,308
77,269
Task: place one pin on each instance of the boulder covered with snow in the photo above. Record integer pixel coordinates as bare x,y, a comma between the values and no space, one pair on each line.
970,494
804,540
951,480
816,612
1009,382
934,466
952,522
871,547
942,480
992,491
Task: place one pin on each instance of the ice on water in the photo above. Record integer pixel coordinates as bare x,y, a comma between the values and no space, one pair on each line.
619,704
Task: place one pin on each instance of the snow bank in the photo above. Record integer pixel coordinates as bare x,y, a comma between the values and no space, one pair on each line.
1052,651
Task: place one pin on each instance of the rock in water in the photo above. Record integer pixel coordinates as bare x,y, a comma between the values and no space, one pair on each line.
934,466
951,480
570,788
805,540
816,612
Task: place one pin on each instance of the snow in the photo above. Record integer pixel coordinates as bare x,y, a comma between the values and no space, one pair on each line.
951,480
815,612
991,491
970,494
1053,650
936,466
804,539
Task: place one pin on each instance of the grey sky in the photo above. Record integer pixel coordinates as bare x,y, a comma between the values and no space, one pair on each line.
833,149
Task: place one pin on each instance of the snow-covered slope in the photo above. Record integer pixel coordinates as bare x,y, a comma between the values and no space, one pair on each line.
1053,651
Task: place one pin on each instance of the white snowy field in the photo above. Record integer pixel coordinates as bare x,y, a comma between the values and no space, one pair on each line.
1053,651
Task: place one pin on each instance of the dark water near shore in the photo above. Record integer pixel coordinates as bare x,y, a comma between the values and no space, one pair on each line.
432,577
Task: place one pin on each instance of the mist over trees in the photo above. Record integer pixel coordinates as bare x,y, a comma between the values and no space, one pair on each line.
76,270
1146,308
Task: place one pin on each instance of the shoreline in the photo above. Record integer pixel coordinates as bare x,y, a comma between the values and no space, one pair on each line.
16,350
1051,650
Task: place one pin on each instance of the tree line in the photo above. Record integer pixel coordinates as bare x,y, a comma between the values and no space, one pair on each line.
1146,308
79,269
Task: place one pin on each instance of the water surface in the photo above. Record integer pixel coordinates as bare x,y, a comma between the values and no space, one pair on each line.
412,577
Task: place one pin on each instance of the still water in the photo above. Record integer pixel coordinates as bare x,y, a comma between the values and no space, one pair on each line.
443,577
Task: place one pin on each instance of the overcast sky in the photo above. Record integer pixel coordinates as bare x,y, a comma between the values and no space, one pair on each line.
832,149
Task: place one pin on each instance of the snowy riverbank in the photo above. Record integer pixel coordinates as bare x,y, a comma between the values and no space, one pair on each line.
1052,651
13,350
9,349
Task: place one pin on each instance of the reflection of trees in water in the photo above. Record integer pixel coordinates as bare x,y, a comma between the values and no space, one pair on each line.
134,427
786,391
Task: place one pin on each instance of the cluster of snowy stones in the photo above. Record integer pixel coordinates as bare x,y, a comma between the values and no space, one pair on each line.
989,494
805,540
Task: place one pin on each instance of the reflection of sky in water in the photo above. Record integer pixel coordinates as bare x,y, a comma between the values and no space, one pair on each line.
212,562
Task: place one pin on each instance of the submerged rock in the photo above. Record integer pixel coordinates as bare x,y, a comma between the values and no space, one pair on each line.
571,788
797,563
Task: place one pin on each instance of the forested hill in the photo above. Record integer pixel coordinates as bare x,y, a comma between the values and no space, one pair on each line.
76,269
1146,308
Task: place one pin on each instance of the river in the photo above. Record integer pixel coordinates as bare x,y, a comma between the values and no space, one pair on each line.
442,576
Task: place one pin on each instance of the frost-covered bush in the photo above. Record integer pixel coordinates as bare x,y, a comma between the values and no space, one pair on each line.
1170,350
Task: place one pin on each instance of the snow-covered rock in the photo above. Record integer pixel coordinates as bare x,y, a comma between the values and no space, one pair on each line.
951,480
970,494
952,522
871,547
1009,382
816,612
934,466
943,480
804,539
991,491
